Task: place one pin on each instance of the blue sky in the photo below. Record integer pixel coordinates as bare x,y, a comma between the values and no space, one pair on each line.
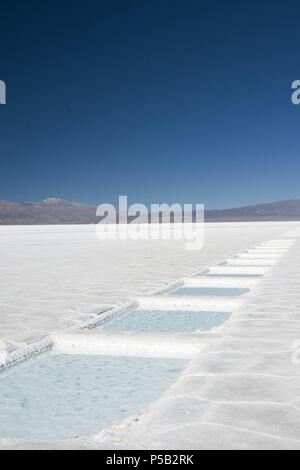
164,101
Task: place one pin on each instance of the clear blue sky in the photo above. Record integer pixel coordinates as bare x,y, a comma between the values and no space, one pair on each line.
175,101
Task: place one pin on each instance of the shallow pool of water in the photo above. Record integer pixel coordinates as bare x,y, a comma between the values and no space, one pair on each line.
214,291
164,321
233,275
61,396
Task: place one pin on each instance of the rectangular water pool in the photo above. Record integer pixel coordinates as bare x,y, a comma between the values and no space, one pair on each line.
164,321
214,291
234,275
62,396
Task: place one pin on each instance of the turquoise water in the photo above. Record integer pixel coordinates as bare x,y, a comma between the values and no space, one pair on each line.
164,321
60,396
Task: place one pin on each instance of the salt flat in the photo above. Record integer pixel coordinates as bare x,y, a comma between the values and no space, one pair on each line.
51,275
241,386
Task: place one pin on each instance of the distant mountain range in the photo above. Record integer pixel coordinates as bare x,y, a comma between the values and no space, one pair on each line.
57,211
50,211
274,211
